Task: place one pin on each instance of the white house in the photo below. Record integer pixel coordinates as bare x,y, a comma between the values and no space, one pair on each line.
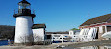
39,32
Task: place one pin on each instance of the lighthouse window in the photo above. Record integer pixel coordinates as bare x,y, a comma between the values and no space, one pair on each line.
24,6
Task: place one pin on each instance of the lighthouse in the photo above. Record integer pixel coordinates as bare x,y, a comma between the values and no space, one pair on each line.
24,23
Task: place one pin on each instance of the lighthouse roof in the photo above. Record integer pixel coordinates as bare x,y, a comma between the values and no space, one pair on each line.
24,1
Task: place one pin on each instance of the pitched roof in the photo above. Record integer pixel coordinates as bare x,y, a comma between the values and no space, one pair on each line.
35,26
100,19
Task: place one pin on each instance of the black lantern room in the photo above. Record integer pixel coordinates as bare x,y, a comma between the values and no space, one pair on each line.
24,9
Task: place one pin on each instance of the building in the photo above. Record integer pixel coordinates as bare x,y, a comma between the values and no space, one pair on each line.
39,32
74,32
25,30
101,23
48,34
24,23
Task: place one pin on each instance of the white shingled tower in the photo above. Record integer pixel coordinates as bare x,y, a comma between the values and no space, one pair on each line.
24,23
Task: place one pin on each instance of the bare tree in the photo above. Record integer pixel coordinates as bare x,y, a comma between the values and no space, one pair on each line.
26,39
37,37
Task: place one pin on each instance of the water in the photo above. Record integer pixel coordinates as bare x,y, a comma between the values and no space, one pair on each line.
4,42
70,48
59,41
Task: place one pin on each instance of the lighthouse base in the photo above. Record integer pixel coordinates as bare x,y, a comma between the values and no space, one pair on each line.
26,44
23,30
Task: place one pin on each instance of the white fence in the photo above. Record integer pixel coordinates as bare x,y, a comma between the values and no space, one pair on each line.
71,38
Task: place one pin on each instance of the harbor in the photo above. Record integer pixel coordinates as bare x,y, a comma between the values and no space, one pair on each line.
55,24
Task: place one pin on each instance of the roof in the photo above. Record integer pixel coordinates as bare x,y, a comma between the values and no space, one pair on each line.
100,19
24,1
49,33
35,26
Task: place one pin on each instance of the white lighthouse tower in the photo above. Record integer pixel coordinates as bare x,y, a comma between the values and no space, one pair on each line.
24,23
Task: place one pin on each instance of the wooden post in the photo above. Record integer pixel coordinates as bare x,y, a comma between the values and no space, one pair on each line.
105,28
52,37
62,39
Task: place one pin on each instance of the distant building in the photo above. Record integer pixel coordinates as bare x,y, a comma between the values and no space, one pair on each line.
101,23
74,32
48,34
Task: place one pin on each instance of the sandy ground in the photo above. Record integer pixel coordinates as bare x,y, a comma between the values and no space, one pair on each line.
67,44
52,46
23,47
27,47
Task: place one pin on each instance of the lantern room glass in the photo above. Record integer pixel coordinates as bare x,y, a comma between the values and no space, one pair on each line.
24,6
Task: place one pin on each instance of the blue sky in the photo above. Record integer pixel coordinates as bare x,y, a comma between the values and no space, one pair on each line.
58,15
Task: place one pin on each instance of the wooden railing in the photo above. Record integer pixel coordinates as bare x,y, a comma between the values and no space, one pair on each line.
71,38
